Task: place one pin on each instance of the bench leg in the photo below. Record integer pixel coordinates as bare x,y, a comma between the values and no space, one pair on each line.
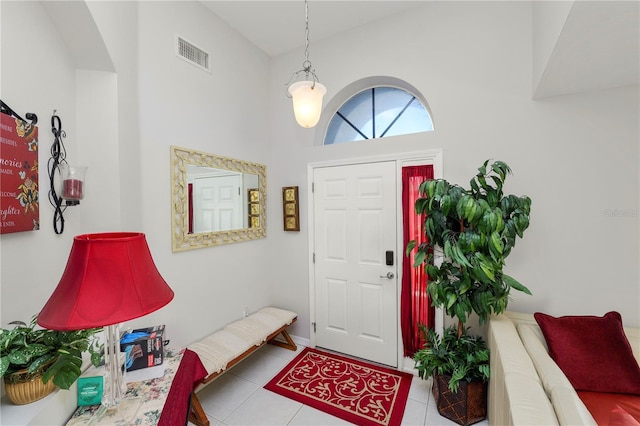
290,344
197,415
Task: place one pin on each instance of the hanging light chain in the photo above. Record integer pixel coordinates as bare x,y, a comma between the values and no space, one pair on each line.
306,64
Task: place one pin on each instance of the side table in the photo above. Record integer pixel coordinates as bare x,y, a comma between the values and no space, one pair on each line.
164,401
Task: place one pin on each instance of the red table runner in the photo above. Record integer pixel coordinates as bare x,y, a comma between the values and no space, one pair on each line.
190,373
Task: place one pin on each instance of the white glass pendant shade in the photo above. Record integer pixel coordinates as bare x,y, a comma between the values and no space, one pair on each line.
307,101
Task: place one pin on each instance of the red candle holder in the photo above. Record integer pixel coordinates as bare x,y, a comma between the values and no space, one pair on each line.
73,184
72,189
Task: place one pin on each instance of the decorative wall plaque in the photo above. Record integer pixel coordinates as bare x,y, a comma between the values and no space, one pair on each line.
290,209
254,207
19,190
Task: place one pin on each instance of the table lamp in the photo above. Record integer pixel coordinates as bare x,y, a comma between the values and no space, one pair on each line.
109,278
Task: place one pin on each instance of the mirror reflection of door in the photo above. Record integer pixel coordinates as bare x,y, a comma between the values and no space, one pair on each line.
217,203
218,199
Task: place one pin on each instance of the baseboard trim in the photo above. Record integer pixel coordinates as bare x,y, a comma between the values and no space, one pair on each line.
300,340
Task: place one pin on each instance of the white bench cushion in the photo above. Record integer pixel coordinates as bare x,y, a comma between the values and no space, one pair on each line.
220,348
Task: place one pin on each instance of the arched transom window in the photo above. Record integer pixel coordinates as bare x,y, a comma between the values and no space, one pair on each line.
378,112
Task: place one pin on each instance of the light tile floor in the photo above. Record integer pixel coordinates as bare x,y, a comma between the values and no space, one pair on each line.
238,397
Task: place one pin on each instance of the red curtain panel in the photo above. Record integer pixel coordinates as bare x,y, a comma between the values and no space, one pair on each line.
415,305
190,208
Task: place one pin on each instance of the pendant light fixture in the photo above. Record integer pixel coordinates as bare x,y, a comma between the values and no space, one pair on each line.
306,94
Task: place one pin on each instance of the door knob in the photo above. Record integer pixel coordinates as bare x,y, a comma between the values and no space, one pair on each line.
388,276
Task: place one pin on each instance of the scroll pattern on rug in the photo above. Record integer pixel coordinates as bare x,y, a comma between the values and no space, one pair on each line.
350,389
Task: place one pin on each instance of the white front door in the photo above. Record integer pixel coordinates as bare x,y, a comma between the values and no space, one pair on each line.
356,285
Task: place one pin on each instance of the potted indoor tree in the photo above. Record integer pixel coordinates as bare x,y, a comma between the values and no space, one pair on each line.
33,361
469,234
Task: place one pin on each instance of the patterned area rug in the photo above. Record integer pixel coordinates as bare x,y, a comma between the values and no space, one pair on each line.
355,391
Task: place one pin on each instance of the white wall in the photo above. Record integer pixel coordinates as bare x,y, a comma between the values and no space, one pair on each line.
38,76
125,123
549,18
222,112
118,26
575,156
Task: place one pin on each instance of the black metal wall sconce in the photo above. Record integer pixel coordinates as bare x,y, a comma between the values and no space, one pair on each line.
72,188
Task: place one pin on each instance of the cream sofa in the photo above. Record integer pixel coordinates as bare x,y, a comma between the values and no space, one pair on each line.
526,385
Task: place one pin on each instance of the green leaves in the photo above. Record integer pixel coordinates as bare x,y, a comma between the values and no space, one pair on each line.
453,251
473,231
66,369
447,202
4,365
464,357
40,362
512,282
487,266
24,354
56,353
501,169
410,247
496,246
466,208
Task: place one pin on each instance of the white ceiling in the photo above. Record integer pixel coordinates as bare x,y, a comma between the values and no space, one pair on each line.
279,26
598,48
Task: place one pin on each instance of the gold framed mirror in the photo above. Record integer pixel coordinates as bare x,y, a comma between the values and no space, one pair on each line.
215,200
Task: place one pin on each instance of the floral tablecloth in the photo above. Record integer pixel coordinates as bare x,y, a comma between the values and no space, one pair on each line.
161,401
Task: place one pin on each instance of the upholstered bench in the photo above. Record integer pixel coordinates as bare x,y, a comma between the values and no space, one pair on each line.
227,347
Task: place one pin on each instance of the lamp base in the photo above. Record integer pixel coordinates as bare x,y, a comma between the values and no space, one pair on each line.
115,408
114,384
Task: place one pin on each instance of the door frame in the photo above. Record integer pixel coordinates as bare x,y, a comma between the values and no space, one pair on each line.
414,158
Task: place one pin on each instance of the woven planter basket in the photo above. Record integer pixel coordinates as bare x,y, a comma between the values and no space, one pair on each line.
28,391
467,406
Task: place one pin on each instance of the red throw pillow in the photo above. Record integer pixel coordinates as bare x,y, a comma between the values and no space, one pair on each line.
593,352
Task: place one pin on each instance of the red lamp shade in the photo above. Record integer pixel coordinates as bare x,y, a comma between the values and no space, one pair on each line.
109,278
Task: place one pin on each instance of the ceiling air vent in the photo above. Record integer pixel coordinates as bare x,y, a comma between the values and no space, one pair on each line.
192,54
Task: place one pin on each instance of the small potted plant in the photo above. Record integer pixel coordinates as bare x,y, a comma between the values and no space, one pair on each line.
33,361
469,234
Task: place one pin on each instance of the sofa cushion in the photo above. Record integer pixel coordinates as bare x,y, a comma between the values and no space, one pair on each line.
622,417
568,407
516,396
548,371
570,410
593,352
612,408
527,402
